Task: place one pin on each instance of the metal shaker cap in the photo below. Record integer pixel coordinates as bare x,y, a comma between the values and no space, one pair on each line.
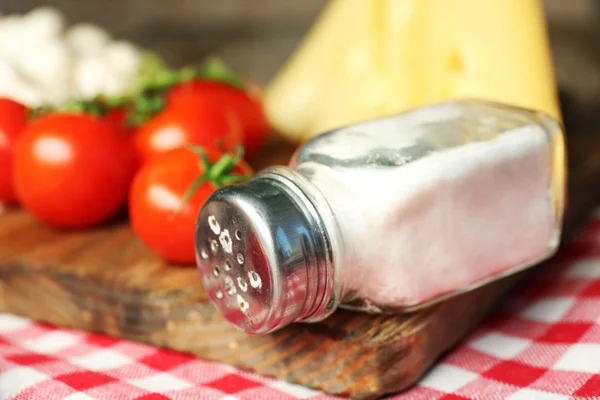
263,256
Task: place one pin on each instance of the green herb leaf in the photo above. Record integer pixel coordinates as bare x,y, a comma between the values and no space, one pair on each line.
97,106
215,69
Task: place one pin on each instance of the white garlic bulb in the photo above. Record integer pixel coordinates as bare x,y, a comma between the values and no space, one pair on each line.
41,61
85,39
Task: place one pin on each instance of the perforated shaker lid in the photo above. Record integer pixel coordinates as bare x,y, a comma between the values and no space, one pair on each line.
261,256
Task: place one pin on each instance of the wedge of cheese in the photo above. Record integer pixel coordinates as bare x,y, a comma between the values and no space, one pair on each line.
367,58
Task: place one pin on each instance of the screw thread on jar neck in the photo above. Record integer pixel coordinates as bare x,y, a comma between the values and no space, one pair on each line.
320,279
324,295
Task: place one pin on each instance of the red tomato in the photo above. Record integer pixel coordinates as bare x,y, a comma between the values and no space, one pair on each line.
72,170
158,213
117,117
247,106
201,122
13,119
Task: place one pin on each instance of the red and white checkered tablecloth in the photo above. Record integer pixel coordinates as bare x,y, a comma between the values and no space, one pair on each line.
544,344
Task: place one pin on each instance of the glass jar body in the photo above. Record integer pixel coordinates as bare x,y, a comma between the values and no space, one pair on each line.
437,201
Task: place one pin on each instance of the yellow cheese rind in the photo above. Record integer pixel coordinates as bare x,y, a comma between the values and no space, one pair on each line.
365,59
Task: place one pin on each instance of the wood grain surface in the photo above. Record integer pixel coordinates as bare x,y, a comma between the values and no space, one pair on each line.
106,281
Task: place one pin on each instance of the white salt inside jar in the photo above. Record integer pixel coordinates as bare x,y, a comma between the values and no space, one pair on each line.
442,223
436,202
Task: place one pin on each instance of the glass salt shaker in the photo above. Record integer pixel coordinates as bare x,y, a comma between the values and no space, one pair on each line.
388,215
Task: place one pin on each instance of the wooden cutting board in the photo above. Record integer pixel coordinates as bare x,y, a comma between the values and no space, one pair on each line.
106,281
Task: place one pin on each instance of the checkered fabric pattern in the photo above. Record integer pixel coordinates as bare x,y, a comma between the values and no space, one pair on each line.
544,344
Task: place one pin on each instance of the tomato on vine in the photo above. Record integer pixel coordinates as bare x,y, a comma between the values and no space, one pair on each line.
72,170
209,107
169,191
202,122
13,119
246,105
117,117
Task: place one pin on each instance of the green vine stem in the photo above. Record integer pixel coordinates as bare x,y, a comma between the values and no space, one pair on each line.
219,173
147,92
